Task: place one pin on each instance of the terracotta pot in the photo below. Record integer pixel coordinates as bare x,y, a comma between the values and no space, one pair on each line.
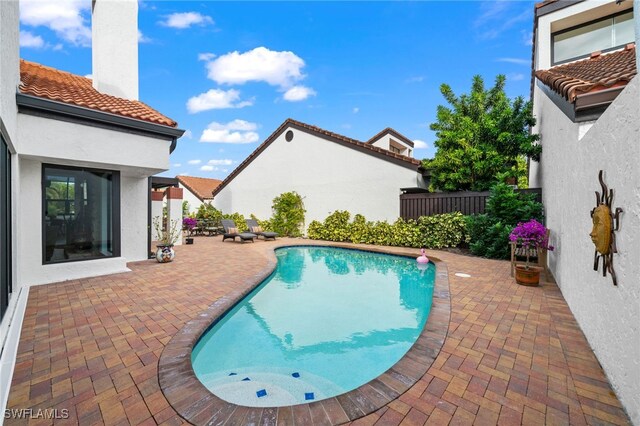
164,253
527,276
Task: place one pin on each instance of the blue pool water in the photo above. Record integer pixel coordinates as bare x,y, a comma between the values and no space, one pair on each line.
325,322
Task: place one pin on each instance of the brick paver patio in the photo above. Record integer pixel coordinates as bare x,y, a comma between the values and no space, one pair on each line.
513,355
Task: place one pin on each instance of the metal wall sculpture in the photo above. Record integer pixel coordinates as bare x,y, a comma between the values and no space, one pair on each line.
602,234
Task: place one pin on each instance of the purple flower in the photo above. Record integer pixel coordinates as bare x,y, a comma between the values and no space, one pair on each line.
189,223
531,234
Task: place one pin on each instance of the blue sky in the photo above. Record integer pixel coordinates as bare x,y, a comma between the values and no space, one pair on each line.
231,72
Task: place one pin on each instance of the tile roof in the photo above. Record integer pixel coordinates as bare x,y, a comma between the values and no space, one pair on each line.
393,132
50,83
325,134
600,71
200,187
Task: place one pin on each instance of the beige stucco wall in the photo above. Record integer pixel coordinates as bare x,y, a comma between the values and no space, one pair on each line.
329,176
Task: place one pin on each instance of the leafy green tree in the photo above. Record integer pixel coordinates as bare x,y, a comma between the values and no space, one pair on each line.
480,138
288,214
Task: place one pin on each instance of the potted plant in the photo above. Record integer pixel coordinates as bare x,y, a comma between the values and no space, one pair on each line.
530,235
189,224
167,238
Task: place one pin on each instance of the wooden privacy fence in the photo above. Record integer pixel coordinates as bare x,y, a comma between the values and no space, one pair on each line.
412,206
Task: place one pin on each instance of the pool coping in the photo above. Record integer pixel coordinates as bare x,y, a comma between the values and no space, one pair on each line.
198,405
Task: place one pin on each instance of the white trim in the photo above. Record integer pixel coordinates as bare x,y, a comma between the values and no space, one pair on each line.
10,346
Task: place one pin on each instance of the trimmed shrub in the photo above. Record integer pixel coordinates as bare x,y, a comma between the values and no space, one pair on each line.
208,212
238,219
489,232
446,230
288,214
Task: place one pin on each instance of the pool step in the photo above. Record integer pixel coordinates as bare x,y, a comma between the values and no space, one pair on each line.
269,388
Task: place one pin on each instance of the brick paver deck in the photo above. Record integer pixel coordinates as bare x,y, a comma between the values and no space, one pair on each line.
513,354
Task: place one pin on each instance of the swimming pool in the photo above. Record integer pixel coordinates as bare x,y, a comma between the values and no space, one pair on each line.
325,322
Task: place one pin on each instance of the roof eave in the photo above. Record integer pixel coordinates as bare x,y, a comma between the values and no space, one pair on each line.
586,107
290,123
79,112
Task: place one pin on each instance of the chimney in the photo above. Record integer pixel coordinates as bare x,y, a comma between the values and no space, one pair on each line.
114,53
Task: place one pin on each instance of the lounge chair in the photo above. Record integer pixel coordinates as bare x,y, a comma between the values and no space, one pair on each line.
253,226
231,231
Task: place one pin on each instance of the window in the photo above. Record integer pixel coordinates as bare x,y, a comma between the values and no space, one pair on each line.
605,34
81,214
394,149
5,227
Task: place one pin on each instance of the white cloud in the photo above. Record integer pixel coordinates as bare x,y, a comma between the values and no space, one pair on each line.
298,93
223,162
516,76
207,168
206,56
143,38
90,76
281,69
193,162
64,17
176,165
517,61
234,132
186,19
183,174
28,39
498,17
216,99
234,125
356,110
418,144
415,79
187,134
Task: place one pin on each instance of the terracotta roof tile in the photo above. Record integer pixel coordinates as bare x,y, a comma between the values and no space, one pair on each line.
46,82
335,137
589,75
544,3
201,187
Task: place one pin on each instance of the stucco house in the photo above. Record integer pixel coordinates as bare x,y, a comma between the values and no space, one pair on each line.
331,171
587,104
197,190
77,156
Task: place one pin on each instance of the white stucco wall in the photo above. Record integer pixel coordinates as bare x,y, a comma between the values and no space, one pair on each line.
9,64
194,202
11,322
59,142
384,142
114,53
329,176
81,145
609,316
134,196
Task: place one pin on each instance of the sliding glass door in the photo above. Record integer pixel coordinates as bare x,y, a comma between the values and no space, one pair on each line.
5,226
81,214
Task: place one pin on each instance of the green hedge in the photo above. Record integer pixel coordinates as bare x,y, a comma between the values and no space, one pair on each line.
489,232
434,232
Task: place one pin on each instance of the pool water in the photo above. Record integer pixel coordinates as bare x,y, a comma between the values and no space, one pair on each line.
325,322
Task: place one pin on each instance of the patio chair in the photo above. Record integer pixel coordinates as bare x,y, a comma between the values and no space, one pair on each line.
231,231
253,226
